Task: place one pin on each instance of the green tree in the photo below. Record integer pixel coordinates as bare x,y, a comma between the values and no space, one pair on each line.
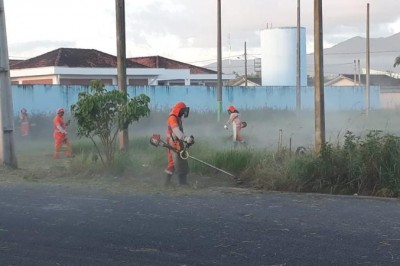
101,113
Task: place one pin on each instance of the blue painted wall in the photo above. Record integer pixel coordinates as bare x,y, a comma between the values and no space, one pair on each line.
47,98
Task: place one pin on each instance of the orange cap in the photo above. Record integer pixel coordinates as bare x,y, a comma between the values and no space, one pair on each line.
231,108
60,110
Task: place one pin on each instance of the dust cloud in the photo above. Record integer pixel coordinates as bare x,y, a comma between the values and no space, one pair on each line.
266,128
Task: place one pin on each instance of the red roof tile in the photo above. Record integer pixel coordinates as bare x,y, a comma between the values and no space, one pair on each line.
73,57
163,62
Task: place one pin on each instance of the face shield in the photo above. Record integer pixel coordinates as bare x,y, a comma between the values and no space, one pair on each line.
184,112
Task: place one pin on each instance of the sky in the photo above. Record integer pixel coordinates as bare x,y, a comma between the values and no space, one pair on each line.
184,30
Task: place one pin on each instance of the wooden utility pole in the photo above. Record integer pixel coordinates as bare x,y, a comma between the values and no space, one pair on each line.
219,62
298,62
245,64
319,77
7,148
121,62
367,76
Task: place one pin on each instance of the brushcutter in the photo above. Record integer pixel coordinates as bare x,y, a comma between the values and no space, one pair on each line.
233,130
156,141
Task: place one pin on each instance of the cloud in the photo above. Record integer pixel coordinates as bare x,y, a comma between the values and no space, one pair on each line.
186,30
393,27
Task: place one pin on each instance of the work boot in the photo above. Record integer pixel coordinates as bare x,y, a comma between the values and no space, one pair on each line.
168,180
182,180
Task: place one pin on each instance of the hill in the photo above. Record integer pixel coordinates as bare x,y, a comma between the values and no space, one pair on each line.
340,58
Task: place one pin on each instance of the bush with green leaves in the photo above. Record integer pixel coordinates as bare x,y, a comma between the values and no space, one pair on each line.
369,166
103,114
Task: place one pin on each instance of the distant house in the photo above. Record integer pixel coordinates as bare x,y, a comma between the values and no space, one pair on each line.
241,81
381,80
72,66
389,86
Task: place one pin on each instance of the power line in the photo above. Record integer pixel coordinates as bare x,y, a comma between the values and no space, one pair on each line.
375,52
227,57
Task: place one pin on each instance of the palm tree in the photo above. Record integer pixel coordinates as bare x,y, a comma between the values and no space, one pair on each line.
396,61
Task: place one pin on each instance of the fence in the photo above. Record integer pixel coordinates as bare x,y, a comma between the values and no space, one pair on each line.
47,98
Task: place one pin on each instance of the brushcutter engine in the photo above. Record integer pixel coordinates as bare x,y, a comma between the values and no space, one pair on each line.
155,140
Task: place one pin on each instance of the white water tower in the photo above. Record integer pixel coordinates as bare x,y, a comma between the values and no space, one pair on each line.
279,56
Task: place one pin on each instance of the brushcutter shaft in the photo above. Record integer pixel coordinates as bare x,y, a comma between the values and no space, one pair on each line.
212,166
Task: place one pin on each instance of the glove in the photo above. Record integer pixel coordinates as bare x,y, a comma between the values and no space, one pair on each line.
188,140
225,126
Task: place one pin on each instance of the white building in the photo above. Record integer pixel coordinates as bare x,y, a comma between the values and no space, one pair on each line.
279,56
67,66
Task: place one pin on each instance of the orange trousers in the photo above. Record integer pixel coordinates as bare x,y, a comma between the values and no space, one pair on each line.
170,166
175,163
59,140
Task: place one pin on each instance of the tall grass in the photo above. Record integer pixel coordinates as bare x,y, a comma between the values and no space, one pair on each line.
357,160
368,166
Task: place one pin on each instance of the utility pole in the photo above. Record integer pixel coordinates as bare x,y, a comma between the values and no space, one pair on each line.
319,77
121,62
219,62
7,148
367,80
298,62
245,64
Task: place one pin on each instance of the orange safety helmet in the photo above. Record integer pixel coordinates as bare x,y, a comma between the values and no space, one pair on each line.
60,110
232,109
180,109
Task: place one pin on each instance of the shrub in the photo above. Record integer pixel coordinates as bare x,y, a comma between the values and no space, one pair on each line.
365,166
103,114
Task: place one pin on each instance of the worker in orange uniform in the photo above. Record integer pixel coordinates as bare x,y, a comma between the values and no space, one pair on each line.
60,134
237,125
24,118
177,139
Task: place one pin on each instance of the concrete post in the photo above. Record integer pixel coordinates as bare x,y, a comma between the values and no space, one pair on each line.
121,62
7,148
319,77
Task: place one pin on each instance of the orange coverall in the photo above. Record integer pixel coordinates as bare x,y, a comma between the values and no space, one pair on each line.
234,119
174,138
60,136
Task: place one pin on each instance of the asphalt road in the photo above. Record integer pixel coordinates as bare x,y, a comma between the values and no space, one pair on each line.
56,225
